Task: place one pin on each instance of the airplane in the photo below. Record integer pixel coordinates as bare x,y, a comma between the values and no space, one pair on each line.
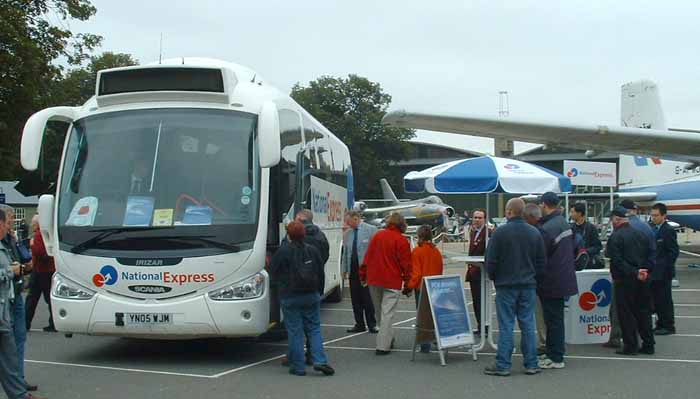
429,210
657,164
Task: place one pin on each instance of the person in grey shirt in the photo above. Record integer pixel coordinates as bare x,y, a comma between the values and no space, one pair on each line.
355,242
10,379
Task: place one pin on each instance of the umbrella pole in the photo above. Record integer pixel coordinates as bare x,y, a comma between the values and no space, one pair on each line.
486,313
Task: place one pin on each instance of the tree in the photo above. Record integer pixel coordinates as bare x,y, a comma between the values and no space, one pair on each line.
31,52
353,109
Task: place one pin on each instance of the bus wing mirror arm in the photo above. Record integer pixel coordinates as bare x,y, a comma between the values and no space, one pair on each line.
269,135
33,133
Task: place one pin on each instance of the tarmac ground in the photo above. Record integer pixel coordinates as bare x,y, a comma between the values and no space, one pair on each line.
108,367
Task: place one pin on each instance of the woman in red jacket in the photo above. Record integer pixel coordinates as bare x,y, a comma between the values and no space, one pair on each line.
40,283
426,260
386,268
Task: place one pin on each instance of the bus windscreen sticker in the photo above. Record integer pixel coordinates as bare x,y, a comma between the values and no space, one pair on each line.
83,213
163,217
139,211
195,214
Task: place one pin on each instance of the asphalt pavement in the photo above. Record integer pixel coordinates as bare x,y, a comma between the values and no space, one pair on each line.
108,367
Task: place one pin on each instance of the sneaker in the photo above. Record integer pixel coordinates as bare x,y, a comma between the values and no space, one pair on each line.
542,356
325,369
532,371
547,363
297,373
493,370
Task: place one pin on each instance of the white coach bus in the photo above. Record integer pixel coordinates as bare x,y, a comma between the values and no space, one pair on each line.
176,180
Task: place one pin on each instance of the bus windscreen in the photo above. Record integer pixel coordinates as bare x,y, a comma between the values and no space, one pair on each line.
161,79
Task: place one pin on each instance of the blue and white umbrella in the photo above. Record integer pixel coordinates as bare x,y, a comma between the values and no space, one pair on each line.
486,175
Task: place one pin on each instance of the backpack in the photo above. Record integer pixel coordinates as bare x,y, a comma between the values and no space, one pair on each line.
303,277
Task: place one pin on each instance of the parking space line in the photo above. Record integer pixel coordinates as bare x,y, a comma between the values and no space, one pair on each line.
637,359
350,310
118,369
687,305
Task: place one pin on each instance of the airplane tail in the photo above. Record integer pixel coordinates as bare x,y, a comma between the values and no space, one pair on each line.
640,106
387,192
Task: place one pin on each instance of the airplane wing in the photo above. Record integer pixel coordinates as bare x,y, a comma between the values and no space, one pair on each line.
637,196
674,145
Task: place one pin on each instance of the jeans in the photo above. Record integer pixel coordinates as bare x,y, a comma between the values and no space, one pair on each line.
553,312
302,316
20,331
512,303
11,382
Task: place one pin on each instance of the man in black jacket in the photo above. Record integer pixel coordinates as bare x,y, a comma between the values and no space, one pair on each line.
515,259
558,280
630,258
664,270
590,240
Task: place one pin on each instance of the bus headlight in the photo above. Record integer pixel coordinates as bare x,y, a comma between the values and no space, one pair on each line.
64,288
250,288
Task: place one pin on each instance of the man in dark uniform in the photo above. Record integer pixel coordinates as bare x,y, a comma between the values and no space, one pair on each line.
664,270
477,247
589,235
630,260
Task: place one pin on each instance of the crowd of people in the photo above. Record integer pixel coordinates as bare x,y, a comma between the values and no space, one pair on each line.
532,261
20,262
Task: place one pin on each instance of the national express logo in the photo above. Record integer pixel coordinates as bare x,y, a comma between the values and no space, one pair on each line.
511,166
323,203
107,276
572,173
600,295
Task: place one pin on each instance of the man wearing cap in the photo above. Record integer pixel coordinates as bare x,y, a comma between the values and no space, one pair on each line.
630,258
558,280
650,237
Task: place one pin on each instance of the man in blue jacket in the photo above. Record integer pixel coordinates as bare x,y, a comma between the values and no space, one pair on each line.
558,280
664,270
515,257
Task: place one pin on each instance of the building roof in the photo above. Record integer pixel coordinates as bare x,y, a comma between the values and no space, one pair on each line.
14,197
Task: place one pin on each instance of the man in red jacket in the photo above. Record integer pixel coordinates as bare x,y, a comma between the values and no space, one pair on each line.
386,268
41,277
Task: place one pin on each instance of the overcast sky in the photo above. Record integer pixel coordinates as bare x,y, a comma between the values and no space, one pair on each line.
559,60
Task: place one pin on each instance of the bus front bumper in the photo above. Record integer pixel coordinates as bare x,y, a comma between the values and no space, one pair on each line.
192,317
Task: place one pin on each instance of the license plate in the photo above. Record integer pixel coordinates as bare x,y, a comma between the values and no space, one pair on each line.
143,319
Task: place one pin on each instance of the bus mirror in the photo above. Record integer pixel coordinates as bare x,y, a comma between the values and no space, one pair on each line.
45,210
269,135
33,133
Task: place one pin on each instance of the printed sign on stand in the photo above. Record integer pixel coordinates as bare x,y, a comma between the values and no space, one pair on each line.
450,325
587,316
584,173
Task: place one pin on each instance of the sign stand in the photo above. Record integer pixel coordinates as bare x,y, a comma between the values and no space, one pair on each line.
442,316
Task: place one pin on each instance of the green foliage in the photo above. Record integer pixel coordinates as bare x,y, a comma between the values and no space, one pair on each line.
31,51
353,109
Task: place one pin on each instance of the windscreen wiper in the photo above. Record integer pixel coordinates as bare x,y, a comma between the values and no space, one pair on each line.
103,234
206,240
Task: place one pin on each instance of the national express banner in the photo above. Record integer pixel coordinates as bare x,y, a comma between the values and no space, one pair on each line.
328,203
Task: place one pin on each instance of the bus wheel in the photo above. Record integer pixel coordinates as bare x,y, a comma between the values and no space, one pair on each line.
336,295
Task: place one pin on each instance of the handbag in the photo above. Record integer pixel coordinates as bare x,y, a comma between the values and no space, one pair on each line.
25,255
